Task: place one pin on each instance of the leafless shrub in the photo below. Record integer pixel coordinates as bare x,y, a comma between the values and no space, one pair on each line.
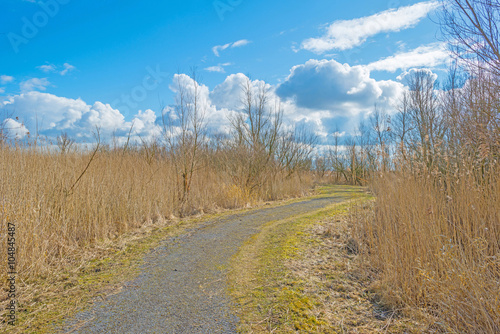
65,143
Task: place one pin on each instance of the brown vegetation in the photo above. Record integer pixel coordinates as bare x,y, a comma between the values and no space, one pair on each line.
433,237
70,199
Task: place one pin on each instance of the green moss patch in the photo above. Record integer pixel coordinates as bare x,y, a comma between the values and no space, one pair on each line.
298,275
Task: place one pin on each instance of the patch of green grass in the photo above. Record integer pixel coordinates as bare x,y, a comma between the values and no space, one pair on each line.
270,298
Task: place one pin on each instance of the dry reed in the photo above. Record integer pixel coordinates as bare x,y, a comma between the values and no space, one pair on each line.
56,217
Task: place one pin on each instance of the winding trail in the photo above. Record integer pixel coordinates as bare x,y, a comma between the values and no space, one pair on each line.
182,287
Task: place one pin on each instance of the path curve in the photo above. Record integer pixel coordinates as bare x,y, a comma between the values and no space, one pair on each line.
182,287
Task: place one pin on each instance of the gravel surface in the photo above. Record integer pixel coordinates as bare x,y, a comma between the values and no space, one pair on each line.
182,287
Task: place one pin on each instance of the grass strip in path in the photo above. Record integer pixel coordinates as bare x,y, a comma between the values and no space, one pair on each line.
303,274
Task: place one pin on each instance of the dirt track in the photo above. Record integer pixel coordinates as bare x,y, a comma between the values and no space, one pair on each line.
182,287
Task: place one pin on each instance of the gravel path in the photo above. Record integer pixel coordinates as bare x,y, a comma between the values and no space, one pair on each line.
182,287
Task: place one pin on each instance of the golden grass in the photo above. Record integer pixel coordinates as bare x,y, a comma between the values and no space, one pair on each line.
434,240
59,221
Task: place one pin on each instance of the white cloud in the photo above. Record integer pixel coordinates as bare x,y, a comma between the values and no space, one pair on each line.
343,89
145,123
52,114
103,116
47,68
431,55
34,84
228,94
319,95
216,116
403,76
14,129
241,42
227,97
2,90
218,68
50,111
346,34
216,49
66,68
324,99
6,79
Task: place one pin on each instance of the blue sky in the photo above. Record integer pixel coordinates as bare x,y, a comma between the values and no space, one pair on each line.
70,65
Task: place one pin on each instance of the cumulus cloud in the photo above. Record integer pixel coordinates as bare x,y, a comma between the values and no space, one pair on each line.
319,95
6,79
50,111
346,34
34,84
101,115
228,97
228,94
52,115
14,129
313,96
216,116
242,42
431,55
406,74
341,88
145,122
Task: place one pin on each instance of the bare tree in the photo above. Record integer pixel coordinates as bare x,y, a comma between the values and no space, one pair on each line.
335,156
426,116
380,126
256,133
475,118
402,125
352,161
320,165
294,149
471,27
150,149
184,131
365,153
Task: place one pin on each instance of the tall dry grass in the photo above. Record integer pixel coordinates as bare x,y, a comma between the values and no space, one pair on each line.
433,236
56,216
436,245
